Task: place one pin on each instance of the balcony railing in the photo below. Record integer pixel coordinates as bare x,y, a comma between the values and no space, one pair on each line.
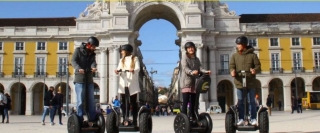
223,71
40,74
96,75
298,69
61,74
276,70
316,69
18,74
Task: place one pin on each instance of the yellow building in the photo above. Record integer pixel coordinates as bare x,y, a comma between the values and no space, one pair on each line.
288,46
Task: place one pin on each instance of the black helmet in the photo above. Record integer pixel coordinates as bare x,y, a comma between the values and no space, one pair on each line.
189,44
93,41
242,40
127,47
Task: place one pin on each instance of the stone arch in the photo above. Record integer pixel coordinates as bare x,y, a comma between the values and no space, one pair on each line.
316,84
38,90
300,87
276,91
18,93
139,14
63,90
225,94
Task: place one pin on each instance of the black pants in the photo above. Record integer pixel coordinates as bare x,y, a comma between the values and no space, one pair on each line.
134,105
294,108
59,113
300,108
2,112
192,101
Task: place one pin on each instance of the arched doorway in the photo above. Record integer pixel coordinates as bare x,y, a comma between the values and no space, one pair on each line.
276,92
316,84
299,85
63,91
18,96
38,91
225,94
96,93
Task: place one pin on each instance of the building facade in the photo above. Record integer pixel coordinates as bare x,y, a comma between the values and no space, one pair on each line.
34,53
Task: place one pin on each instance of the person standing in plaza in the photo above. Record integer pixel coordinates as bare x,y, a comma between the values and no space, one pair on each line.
269,103
191,68
7,107
299,100
84,64
3,102
245,59
294,104
58,105
47,106
116,103
279,104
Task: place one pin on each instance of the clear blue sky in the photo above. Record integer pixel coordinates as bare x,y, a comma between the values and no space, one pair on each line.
152,38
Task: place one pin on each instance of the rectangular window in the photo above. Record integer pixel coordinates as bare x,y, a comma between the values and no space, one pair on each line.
18,65
63,65
275,63
295,41
317,59
19,45
1,45
297,61
316,40
224,61
40,65
253,42
63,45
41,46
274,42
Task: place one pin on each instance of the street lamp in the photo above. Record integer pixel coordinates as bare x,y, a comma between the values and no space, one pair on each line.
19,95
154,91
295,77
67,87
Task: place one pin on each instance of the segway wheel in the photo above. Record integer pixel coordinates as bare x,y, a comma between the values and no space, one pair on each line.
111,123
208,119
145,123
263,122
101,123
229,122
181,123
73,124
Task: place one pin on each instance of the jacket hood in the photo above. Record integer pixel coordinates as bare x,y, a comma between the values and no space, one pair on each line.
248,50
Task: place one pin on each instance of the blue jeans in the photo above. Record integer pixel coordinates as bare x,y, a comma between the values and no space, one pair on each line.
80,92
6,113
53,112
46,109
251,98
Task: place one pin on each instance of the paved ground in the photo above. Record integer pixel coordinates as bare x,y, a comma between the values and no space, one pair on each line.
280,122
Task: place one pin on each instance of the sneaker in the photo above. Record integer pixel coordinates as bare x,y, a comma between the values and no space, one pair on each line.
60,123
43,123
254,122
240,122
52,123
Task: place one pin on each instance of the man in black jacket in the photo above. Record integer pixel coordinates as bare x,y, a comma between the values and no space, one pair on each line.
84,63
47,104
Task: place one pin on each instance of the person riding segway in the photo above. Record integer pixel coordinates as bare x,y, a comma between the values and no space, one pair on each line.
128,69
244,64
84,62
194,80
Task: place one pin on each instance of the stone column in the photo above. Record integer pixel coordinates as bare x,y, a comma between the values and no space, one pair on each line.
29,103
264,95
212,64
287,98
202,100
114,79
103,77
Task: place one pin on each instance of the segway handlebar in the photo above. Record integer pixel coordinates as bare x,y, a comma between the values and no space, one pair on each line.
120,70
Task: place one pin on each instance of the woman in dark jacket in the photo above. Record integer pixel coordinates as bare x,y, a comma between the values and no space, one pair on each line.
7,107
191,67
58,104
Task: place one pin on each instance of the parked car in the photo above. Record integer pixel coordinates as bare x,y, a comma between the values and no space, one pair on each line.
214,109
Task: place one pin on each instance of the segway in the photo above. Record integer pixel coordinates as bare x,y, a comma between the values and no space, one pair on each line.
114,123
96,126
203,123
233,113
